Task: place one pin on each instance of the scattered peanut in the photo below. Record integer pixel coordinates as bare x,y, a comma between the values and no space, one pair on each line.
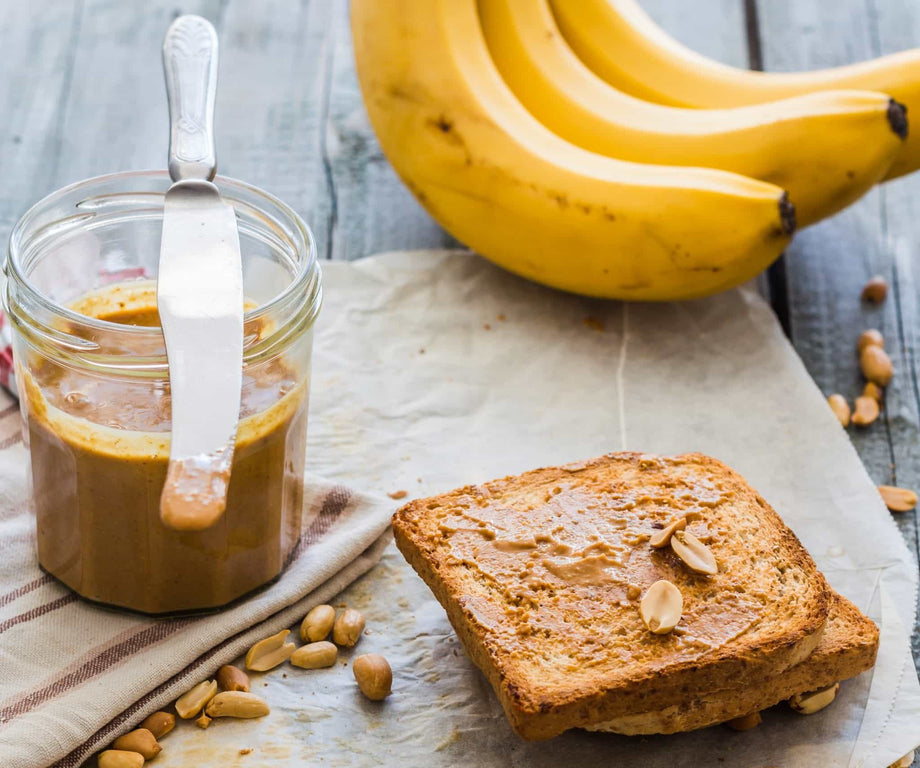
874,391
159,723
237,704
663,537
840,407
875,290
232,678
141,741
317,624
814,701
315,655
870,338
189,704
632,591
373,675
270,652
898,499
120,758
876,365
905,762
203,721
745,723
866,411
348,628
694,553
661,608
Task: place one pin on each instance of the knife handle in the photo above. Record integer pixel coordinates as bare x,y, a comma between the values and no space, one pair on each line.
190,66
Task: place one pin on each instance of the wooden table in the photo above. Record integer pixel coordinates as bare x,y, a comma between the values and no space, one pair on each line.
82,94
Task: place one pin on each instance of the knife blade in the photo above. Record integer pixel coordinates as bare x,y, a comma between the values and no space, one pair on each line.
199,289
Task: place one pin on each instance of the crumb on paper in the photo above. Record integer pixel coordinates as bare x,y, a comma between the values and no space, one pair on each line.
245,751
420,479
593,323
500,318
422,351
486,327
398,494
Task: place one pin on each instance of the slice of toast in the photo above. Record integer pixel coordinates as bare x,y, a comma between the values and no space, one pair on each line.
541,576
847,648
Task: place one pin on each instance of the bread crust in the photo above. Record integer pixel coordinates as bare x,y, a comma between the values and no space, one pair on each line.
848,647
540,709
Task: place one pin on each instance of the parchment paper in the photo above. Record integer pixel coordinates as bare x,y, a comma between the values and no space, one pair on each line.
434,370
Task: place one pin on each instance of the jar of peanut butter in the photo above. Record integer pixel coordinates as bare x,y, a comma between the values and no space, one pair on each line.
94,394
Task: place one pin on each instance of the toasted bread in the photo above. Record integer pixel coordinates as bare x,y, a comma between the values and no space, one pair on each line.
540,575
847,648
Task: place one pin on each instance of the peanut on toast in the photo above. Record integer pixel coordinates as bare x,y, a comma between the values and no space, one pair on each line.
541,575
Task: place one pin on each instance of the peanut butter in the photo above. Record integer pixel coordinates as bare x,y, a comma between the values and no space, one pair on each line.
99,455
573,554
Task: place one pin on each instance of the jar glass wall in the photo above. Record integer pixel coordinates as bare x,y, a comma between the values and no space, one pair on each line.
94,395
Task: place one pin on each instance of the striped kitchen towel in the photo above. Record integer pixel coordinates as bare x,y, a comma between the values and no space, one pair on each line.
74,676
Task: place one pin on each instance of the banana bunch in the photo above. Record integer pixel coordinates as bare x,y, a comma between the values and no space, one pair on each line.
552,171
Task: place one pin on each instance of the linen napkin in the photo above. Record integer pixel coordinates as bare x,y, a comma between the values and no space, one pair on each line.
73,676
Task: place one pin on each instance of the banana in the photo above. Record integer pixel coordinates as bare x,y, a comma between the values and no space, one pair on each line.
622,45
505,185
827,149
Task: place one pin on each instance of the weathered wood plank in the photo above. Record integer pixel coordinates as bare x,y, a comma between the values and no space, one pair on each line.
114,115
272,101
38,49
830,262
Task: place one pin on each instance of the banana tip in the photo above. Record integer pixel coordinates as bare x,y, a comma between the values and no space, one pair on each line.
897,118
786,214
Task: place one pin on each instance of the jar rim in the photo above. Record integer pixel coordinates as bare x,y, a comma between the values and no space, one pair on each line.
305,283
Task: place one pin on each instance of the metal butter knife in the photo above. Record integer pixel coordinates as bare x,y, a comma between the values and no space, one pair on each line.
199,289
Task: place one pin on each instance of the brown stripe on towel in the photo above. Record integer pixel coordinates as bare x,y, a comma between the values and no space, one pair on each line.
9,597
10,441
95,663
333,505
39,610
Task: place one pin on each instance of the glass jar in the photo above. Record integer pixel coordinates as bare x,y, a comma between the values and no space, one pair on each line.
94,394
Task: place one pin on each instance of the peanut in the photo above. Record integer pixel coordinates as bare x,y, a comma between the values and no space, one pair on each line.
373,675
348,628
876,365
875,290
237,704
232,678
905,762
866,411
840,407
203,721
814,701
874,391
141,741
745,723
870,338
317,624
315,655
663,537
189,704
661,608
120,758
695,554
159,723
270,652
898,499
